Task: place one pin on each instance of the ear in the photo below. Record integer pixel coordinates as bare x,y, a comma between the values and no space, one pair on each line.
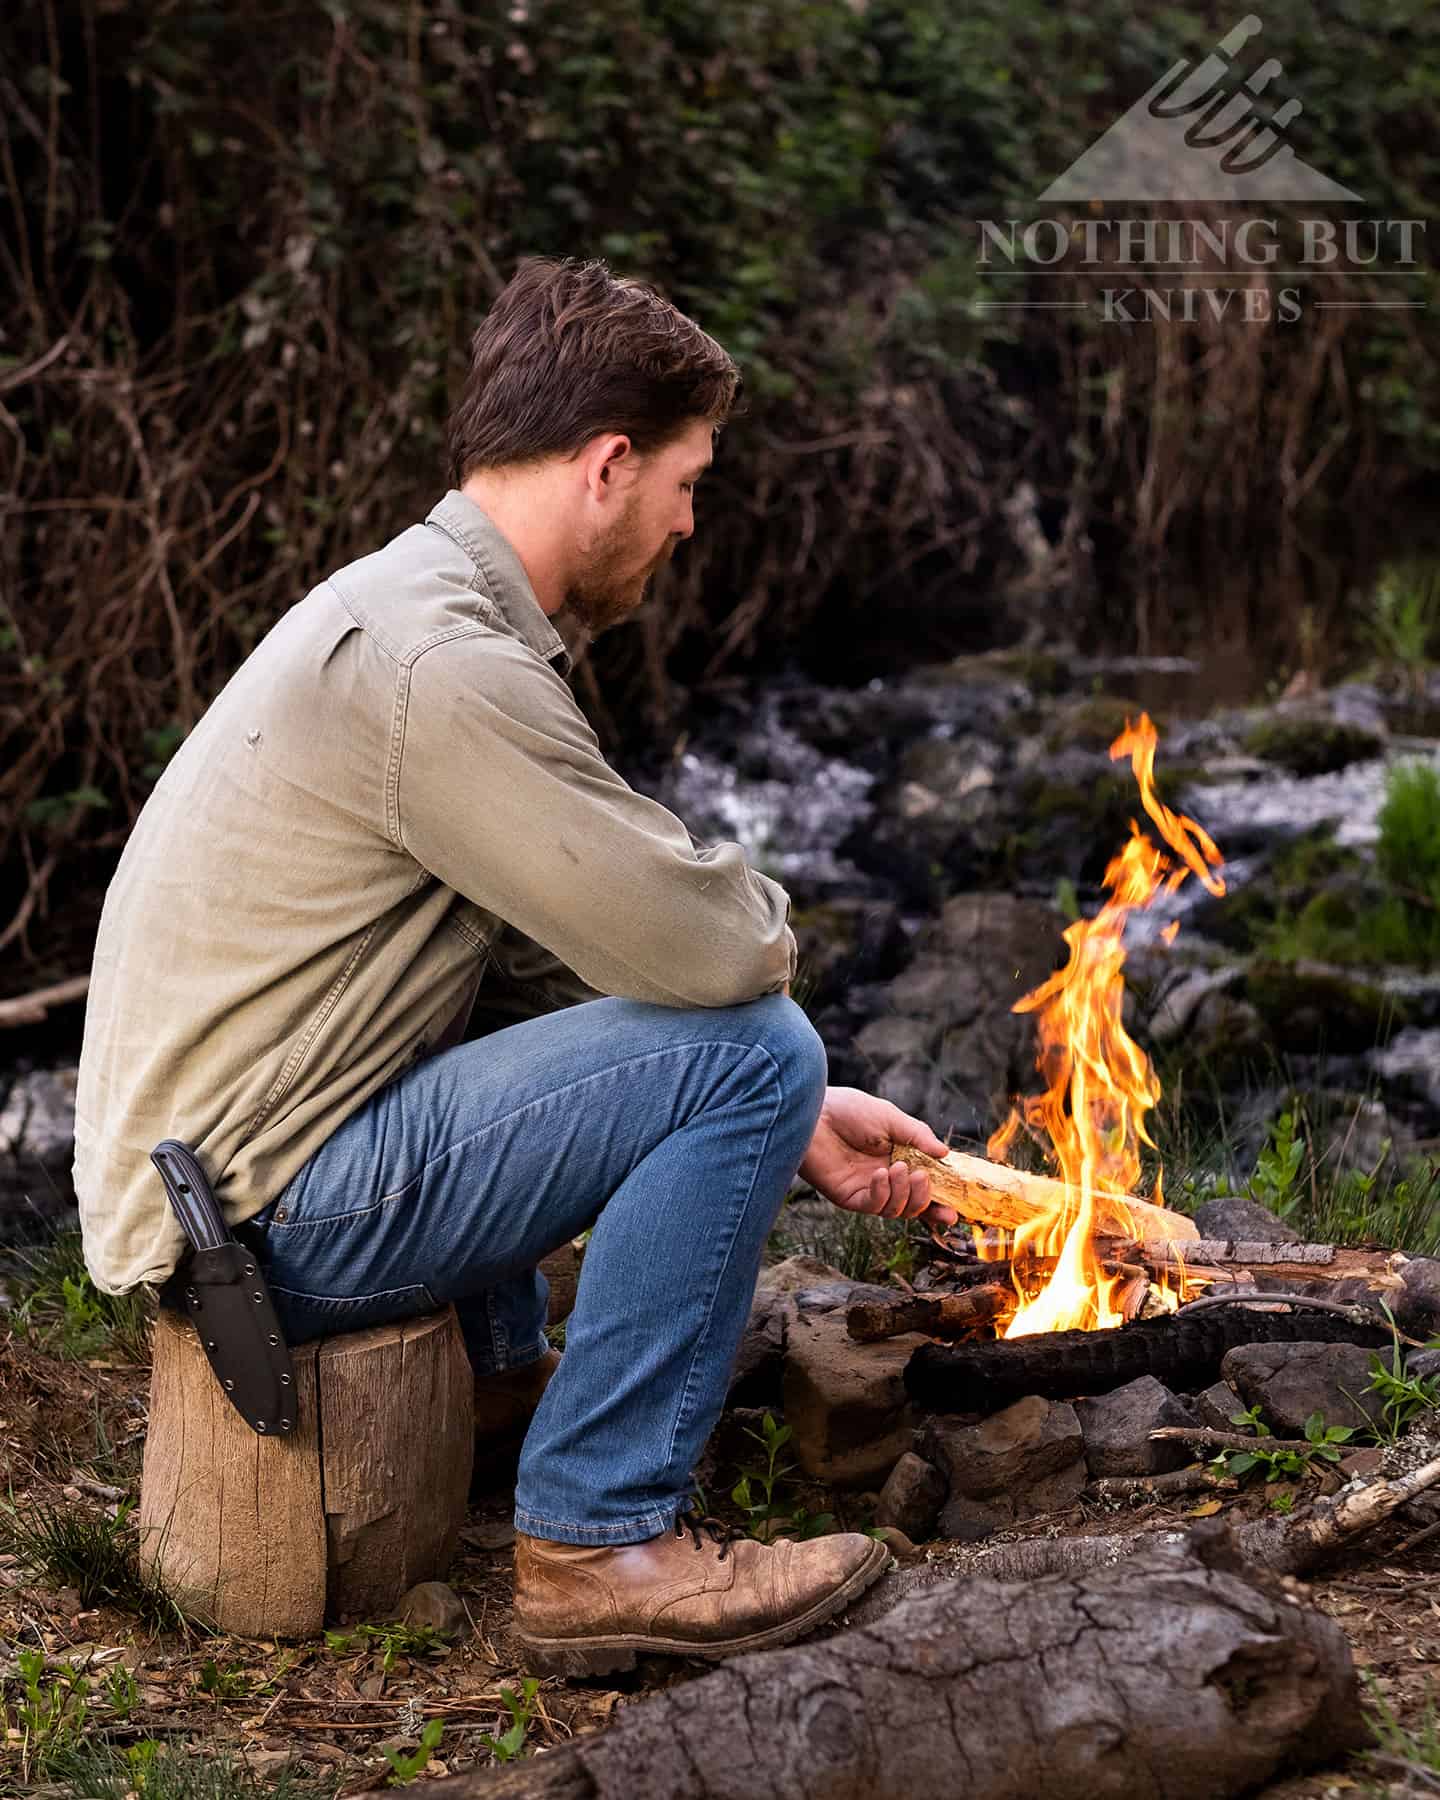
611,454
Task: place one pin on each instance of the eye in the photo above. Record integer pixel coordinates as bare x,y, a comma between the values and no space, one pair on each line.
687,487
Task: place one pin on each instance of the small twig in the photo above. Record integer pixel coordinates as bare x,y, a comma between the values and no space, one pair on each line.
1428,1776
30,1009
1229,1440
1173,1481
1418,1537
98,1490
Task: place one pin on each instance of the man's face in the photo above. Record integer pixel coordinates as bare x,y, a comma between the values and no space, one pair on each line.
654,506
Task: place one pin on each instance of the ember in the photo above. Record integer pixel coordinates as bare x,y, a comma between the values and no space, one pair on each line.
1099,1086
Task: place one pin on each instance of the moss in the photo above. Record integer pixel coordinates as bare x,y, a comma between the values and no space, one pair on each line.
1092,724
1311,746
1306,1009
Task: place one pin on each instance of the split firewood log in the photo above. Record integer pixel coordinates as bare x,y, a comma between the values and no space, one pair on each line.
988,1193
1186,1666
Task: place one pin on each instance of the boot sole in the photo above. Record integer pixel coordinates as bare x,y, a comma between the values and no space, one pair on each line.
579,1657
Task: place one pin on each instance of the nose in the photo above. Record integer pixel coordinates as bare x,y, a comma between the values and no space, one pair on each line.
685,523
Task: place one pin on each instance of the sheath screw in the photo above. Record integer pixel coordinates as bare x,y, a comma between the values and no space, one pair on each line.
284,1381
259,1424
249,1268
190,1294
285,1424
257,1297
209,1343
273,1339
229,1387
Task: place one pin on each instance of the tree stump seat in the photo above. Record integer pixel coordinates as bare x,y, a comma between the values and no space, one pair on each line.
268,1537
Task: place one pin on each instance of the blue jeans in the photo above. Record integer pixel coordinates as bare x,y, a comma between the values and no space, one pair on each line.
673,1132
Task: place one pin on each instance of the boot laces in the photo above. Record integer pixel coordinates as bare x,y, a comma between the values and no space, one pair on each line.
697,1523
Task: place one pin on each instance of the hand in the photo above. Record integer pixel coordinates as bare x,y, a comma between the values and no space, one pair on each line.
849,1158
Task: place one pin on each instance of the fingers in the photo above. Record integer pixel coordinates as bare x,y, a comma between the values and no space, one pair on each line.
899,1192
908,1130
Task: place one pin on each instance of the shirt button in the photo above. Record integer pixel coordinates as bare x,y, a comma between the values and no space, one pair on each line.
252,736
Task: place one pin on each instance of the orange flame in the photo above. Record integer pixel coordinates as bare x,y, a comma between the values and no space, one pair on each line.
1099,1083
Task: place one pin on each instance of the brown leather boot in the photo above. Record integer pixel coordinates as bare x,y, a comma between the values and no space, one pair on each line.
505,1403
693,1591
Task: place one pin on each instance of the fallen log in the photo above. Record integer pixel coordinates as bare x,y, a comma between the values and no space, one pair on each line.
1183,1350
988,1193
1205,1673
942,1315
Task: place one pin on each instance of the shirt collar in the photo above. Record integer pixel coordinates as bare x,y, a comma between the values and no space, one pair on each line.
504,575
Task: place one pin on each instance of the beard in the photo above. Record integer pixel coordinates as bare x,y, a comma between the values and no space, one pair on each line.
608,589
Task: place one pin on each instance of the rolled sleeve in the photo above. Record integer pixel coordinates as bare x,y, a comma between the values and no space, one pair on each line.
503,793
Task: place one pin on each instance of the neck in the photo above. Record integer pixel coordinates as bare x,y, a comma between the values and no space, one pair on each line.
531,515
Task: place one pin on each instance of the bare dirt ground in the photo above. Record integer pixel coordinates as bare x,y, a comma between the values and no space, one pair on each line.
69,1432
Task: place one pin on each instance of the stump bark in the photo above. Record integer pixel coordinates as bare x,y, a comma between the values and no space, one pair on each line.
268,1536
1165,1675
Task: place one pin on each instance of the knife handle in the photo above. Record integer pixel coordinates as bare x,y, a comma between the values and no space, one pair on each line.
190,1194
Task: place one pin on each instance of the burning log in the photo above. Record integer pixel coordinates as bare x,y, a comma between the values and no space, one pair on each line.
1183,1350
942,1315
988,1193
988,1689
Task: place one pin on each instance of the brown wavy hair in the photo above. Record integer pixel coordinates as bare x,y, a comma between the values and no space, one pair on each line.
570,350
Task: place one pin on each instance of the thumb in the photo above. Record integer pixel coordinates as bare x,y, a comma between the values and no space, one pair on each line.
907,1130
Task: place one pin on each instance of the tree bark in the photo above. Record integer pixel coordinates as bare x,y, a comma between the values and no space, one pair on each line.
269,1536
988,1193
942,1315
1167,1675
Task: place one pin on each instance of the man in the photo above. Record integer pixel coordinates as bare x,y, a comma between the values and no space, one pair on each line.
393,824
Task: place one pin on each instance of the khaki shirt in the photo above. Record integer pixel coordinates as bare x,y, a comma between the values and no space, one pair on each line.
392,812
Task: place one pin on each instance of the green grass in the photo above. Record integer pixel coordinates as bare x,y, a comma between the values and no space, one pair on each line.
1402,1751
1365,921
59,1308
1405,618
857,1244
97,1768
68,1545
1393,1204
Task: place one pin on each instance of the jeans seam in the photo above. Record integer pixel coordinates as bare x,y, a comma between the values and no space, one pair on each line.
682,1411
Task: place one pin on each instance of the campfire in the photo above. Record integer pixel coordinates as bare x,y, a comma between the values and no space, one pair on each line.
1099,1086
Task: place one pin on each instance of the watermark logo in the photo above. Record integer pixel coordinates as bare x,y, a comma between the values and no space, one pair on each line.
1204,132
1198,134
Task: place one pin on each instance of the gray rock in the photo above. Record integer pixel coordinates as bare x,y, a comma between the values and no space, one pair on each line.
1019,1463
1417,1308
1423,1363
1410,1064
1215,1405
434,1603
37,1143
795,1272
908,1086
894,1039
755,1373
911,1498
1181,1003
1116,1428
845,1402
1243,1220
1289,1382
925,990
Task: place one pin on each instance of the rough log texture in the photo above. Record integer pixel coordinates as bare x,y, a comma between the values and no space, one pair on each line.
1161,1676
1184,1351
942,1315
988,1193
268,1536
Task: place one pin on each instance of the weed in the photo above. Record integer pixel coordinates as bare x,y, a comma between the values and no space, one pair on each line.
405,1765
388,1641
510,1745
222,1684
48,1716
121,1692
1324,1446
857,1244
1283,1502
1405,617
70,1546
61,1310
1403,1398
755,1492
1277,1167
